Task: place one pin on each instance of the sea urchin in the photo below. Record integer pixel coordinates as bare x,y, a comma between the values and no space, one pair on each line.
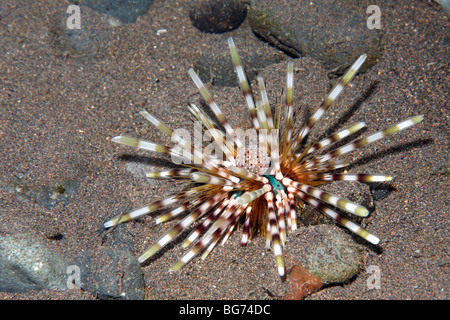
257,185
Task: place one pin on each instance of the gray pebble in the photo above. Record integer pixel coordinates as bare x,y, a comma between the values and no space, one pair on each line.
326,251
127,11
110,274
334,32
27,265
217,16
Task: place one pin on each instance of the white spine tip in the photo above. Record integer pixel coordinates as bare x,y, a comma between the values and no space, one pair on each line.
108,224
281,271
116,139
373,239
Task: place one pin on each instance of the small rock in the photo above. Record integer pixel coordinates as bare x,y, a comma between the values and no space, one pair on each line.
334,32
127,11
217,16
27,265
89,42
47,195
445,4
326,251
110,274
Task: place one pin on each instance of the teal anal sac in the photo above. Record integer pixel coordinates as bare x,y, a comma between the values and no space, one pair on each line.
276,185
